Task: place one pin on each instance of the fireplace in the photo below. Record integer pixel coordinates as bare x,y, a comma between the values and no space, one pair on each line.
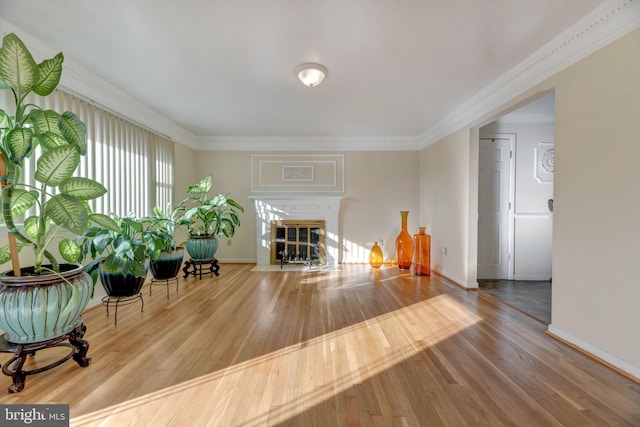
297,228
297,242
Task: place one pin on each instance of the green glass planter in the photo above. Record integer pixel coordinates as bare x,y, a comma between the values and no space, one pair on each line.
39,308
202,248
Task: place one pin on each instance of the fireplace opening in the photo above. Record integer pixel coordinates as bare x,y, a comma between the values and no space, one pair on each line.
298,241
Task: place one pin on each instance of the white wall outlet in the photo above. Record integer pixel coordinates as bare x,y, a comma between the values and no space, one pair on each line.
444,250
380,242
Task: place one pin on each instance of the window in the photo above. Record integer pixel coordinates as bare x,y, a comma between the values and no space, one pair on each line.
133,163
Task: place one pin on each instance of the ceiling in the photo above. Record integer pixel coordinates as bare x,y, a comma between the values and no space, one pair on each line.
226,68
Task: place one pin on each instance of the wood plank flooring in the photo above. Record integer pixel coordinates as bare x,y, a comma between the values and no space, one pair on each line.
349,348
530,297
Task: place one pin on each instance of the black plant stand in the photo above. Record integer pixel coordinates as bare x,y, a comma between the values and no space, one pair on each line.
155,281
109,301
198,267
13,367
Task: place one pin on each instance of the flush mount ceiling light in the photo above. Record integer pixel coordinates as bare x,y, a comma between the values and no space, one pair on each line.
311,74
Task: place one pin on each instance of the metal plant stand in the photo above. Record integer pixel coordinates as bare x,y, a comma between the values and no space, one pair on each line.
198,267
114,301
163,282
14,366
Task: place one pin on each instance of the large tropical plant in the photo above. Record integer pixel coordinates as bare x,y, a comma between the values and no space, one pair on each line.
217,215
58,141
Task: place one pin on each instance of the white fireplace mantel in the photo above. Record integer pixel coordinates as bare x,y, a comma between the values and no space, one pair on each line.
273,208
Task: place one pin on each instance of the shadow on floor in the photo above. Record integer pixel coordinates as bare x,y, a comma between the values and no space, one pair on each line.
530,297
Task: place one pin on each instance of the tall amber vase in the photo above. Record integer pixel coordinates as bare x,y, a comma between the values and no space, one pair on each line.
422,263
404,244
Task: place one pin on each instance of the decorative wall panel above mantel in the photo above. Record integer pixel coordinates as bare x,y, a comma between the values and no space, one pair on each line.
297,173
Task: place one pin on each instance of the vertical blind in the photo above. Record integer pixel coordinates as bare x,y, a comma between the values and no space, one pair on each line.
133,163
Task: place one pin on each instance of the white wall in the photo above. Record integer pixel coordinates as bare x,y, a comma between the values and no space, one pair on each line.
378,185
533,221
448,205
596,236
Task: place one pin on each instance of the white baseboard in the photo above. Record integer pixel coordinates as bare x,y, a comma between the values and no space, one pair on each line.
625,367
237,260
460,282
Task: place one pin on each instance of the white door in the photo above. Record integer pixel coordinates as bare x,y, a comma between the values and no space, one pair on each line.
495,201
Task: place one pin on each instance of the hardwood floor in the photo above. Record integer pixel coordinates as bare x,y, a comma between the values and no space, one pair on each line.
356,347
530,297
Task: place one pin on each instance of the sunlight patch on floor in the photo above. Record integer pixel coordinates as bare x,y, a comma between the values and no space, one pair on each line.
294,379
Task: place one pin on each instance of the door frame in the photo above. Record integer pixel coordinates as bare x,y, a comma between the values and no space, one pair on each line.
512,196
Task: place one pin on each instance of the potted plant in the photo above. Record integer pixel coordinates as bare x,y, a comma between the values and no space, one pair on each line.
168,255
121,248
206,218
45,300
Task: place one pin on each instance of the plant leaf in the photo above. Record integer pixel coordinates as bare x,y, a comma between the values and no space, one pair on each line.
50,72
73,130
105,221
226,227
45,121
57,165
5,253
67,212
82,188
235,205
22,200
18,141
31,227
114,264
17,66
50,140
202,187
101,240
70,251
131,226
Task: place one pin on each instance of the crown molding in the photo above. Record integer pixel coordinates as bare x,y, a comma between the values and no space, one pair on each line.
609,21
393,143
81,82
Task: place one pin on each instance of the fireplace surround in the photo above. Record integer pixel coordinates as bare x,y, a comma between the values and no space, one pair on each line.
301,210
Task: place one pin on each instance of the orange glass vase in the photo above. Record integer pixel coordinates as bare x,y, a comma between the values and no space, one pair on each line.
422,262
375,256
404,244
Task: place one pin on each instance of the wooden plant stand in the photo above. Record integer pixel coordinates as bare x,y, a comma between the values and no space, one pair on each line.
14,366
198,267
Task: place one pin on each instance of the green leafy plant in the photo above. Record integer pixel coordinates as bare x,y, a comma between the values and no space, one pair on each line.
163,228
121,245
203,215
60,198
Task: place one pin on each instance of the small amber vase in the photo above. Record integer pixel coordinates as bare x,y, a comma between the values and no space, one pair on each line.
422,263
404,244
375,256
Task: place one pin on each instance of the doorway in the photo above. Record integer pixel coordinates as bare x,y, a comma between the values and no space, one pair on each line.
528,248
